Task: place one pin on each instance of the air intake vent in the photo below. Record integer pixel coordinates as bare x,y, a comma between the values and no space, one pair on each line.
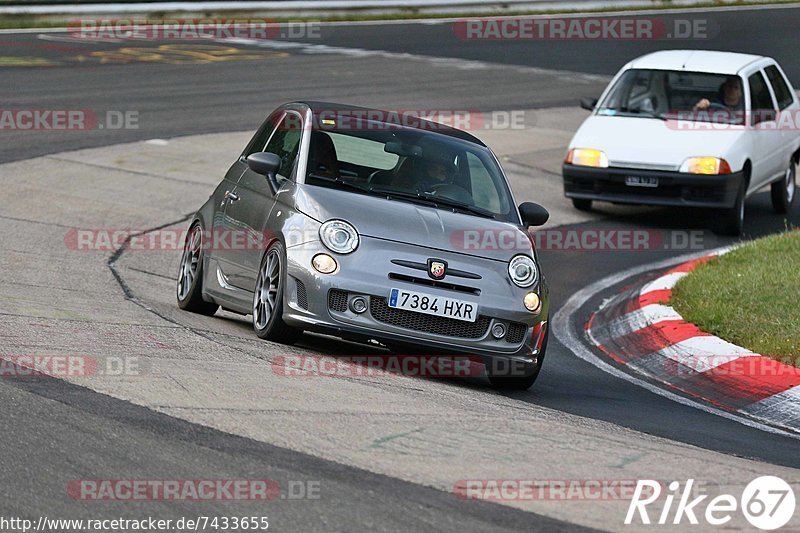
337,300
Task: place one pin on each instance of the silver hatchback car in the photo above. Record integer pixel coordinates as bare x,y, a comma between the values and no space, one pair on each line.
371,226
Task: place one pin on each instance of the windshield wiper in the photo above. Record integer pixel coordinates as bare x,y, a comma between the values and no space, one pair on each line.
339,181
434,200
406,195
461,205
632,112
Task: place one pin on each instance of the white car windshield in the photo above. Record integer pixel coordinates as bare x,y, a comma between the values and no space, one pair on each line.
666,94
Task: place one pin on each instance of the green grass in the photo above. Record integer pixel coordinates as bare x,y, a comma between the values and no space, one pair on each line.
55,21
750,296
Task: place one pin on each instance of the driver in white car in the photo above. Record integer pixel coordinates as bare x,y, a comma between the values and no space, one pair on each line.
730,96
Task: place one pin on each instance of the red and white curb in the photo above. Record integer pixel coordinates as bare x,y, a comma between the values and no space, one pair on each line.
637,329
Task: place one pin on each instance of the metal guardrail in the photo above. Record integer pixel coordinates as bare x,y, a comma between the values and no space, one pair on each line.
45,7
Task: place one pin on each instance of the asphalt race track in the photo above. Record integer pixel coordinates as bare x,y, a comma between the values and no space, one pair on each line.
55,431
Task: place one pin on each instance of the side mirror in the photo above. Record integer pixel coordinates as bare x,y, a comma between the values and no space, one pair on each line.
266,164
533,214
589,103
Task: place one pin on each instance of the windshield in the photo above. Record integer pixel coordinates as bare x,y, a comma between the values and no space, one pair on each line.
407,164
666,94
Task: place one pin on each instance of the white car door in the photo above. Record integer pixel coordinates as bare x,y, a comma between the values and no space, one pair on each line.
787,106
767,141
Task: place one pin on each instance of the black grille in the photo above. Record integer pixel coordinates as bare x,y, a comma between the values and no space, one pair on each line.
516,332
337,300
427,323
302,297
434,283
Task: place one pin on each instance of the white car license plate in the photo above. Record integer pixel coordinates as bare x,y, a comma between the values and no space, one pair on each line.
433,305
641,181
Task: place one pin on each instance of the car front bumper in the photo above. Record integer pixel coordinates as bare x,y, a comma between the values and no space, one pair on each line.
674,188
321,303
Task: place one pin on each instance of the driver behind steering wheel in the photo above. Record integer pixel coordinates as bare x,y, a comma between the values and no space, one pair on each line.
729,97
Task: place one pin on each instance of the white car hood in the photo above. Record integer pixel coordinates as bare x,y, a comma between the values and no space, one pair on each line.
654,143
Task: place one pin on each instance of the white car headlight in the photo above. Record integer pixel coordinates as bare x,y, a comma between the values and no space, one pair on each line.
705,165
522,271
587,157
339,236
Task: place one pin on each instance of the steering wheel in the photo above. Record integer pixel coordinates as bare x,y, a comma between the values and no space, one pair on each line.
717,105
453,192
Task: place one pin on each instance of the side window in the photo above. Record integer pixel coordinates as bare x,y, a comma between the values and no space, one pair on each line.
761,105
782,92
484,190
259,140
285,142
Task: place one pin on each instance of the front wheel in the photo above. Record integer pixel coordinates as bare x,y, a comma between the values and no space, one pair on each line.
783,191
731,220
268,299
503,381
190,275
582,204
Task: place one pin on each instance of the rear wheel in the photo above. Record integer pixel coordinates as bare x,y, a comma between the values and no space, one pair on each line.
268,299
582,204
783,191
190,275
500,380
731,220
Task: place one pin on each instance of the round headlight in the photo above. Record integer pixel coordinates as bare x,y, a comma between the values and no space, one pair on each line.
339,236
522,271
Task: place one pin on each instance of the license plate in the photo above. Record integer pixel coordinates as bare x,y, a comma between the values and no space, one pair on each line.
641,181
433,305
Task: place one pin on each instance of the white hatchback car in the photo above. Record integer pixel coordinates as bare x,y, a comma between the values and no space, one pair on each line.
689,128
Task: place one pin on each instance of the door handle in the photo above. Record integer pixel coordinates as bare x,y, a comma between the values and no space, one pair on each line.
231,196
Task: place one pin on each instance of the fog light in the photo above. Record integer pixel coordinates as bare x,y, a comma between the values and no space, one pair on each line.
498,331
358,304
324,263
532,302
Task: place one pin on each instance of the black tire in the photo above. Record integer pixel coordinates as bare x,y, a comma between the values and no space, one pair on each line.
189,291
731,220
268,317
582,204
524,382
785,190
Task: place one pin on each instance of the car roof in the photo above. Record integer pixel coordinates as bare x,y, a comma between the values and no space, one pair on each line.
695,61
409,121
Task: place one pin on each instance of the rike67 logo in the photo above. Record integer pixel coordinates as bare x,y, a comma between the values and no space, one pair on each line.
767,503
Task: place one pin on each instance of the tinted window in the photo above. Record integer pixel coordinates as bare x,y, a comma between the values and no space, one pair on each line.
365,152
760,98
414,163
285,142
782,91
259,140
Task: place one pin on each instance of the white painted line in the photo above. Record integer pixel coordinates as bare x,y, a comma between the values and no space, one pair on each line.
562,326
703,353
447,62
664,282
